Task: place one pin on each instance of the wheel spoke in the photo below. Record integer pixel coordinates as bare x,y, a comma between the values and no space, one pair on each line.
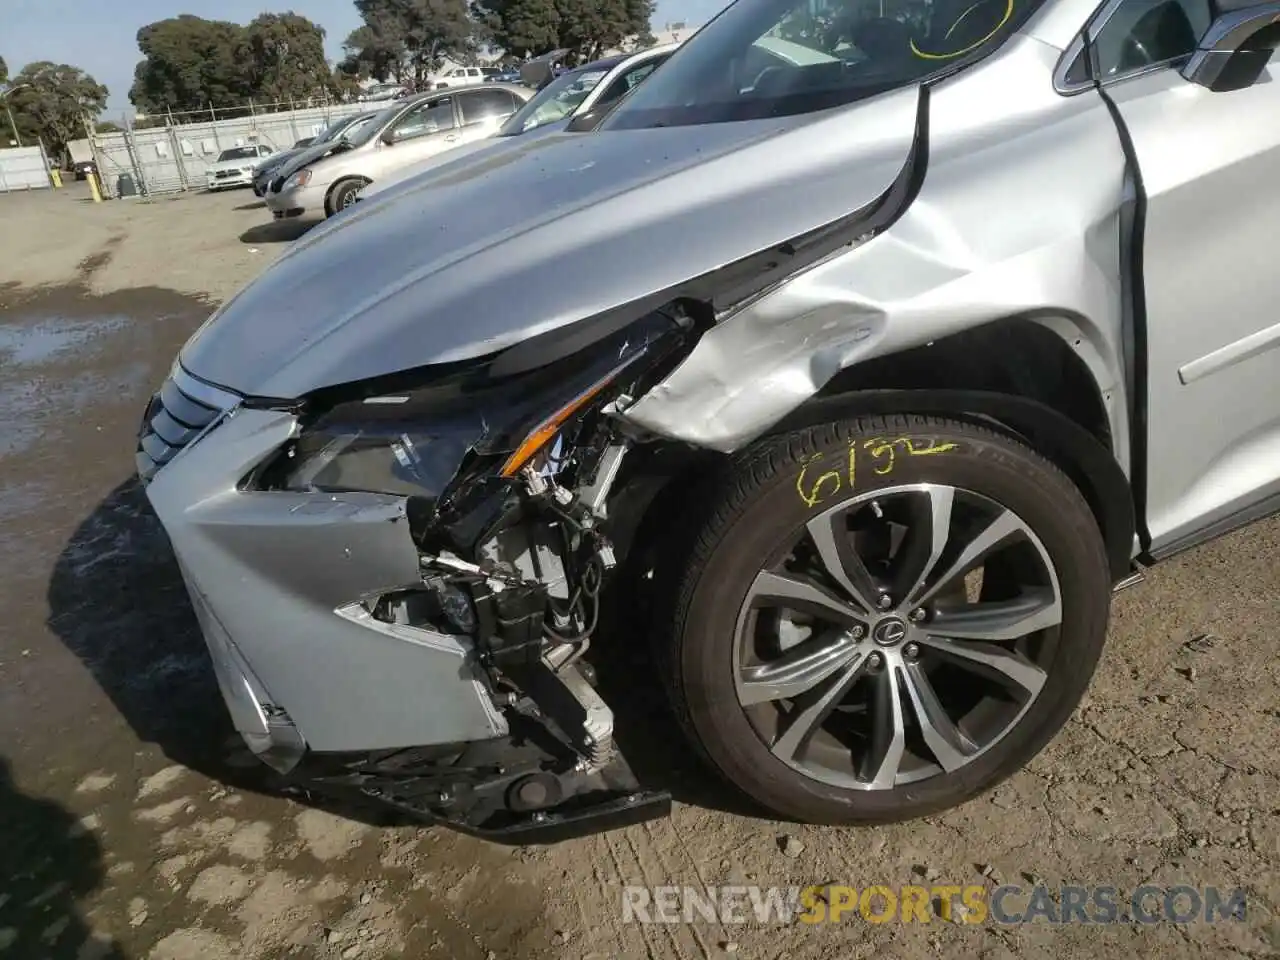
949,746
840,560
888,733
779,590
801,669
1006,666
1036,609
815,706
927,539
1003,528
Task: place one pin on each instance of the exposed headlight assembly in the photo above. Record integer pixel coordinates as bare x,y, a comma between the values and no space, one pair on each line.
485,419
299,179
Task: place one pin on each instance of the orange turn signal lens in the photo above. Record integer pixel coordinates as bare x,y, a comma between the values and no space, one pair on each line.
549,427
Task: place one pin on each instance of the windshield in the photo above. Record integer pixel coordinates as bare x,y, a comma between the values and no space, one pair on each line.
770,58
554,102
362,133
238,153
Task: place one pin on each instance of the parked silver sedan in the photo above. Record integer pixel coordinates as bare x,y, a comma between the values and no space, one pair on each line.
325,181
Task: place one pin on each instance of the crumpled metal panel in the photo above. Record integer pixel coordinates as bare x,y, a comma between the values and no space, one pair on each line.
279,572
1018,213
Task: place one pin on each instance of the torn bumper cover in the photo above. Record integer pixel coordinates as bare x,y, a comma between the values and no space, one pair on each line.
334,698
273,576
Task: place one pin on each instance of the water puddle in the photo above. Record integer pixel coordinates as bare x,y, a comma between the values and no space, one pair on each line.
36,342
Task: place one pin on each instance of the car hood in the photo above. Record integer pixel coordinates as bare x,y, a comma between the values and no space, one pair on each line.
306,156
464,153
475,257
277,160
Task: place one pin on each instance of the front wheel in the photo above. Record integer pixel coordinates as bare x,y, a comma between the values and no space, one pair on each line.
881,618
344,195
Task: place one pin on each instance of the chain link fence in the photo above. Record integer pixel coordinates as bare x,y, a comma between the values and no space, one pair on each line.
173,154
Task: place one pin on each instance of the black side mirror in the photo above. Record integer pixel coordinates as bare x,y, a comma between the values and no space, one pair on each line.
1236,48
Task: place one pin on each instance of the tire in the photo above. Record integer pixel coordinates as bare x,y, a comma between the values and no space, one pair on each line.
739,690
343,195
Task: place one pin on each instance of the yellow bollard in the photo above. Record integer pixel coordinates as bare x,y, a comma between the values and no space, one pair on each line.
92,177
56,176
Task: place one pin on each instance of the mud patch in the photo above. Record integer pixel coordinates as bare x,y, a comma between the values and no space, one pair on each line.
251,842
327,837
220,885
96,783
193,943
96,261
161,781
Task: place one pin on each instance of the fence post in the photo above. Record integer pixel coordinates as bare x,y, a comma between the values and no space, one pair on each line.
176,147
132,148
48,168
214,127
92,133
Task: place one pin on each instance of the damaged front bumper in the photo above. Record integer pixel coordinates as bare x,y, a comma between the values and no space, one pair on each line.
324,692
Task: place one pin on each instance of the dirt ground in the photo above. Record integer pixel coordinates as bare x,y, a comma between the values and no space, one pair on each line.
123,834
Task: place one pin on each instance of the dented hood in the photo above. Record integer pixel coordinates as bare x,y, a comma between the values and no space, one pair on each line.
474,257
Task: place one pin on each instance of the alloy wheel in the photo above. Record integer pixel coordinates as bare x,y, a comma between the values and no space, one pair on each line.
897,637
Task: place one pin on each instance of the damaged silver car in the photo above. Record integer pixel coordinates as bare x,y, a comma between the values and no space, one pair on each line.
866,349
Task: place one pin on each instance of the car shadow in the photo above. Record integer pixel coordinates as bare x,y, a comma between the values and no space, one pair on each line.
277,231
116,599
646,729
254,205
52,863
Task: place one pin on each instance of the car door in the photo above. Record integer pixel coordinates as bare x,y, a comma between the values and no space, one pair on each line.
422,131
482,112
1209,167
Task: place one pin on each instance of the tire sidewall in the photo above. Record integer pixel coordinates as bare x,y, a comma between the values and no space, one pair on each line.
773,513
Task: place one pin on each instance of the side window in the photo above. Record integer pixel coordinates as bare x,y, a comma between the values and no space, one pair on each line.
1146,33
425,119
486,105
623,84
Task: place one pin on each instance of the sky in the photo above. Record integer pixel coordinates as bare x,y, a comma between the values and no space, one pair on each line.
100,37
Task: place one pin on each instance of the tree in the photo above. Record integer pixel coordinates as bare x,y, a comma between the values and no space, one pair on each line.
587,27
189,64
527,28
50,100
409,39
375,51
285,57
4,72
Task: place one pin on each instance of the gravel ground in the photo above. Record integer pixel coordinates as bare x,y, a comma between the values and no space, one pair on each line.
123,832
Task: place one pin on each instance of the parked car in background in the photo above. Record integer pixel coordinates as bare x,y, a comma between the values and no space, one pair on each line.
325,179
466,76
505,76
82,169
593,87
235,167
381,91
267,170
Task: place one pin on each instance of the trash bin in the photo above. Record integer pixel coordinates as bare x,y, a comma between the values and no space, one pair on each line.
125,186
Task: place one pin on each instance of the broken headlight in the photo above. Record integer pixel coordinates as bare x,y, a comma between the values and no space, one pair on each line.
414,434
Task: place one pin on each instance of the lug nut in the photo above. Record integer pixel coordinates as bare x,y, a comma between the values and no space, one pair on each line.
875,660
911,651
885,601
857,631
918,614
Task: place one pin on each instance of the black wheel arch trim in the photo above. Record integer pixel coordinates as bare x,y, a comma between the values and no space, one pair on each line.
1078,453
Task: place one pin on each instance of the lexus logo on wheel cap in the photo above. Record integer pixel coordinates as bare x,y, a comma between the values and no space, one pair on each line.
889,633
